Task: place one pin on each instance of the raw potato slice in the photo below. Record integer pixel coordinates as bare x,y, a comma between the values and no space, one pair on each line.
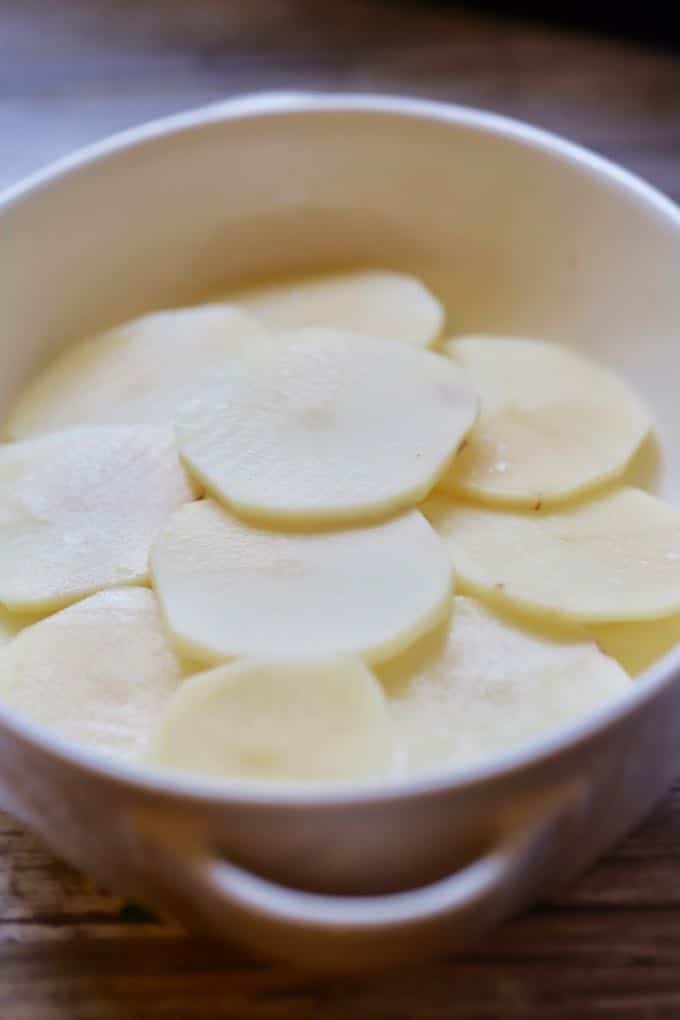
138,373
99,673
230,589
377,302
79,510
274,721
480,685
637,646
552,424
613,558
333,428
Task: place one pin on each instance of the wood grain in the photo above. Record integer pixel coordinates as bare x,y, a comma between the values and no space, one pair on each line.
75,71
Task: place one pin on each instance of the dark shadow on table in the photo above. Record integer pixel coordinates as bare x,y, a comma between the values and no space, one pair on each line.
657,21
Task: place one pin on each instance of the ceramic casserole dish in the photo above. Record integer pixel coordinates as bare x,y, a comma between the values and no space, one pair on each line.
519,232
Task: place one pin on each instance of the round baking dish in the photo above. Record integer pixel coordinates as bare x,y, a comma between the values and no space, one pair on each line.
519,232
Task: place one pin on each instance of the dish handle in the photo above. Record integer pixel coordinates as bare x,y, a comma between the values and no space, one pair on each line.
357,932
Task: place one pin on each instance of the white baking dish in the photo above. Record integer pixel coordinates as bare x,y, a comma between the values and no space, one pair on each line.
521,233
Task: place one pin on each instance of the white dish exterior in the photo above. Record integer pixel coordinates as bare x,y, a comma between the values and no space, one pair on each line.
520,233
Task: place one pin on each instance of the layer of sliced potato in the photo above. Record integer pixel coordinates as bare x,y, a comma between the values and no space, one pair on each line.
231,589
480,685
377,302
323,721
79,510
138,373
335,427
613,558
315,404
99,673
553,423
637,646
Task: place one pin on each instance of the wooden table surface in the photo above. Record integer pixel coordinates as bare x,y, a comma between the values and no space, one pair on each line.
72,72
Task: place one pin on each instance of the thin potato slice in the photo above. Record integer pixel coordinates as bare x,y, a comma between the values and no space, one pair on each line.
279,722
480,685
99,673
613,558
377,302
230,589
332,428
138,373
79,510
553,423
637,646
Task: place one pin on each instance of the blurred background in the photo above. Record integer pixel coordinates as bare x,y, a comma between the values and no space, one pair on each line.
72,71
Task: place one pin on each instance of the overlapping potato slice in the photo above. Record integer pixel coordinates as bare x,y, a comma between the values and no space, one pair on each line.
613,558
231,589
99,673
377,302
333,428
278,721
637,646
138,373
552,424
480,685
79,510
